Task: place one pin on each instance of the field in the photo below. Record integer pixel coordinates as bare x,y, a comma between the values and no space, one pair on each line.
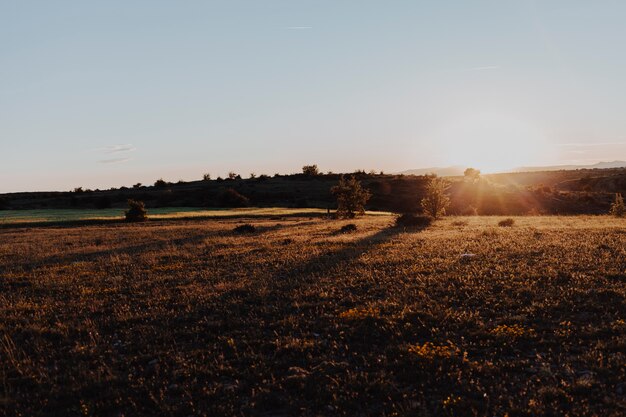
188,317
12,217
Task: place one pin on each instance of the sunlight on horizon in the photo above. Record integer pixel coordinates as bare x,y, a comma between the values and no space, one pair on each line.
492,142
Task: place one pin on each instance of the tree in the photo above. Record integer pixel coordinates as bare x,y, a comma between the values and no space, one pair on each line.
160,183
472,174
233,176
436,200
206,176
351,197
136,211
310,170
618,209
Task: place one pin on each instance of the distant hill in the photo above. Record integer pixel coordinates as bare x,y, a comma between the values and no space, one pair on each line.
456,170
452,171
599,165
587,190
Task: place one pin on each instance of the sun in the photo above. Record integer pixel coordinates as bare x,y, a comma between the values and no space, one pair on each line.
491,142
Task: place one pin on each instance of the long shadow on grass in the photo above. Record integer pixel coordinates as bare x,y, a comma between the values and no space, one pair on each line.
291,307
120,220
149,246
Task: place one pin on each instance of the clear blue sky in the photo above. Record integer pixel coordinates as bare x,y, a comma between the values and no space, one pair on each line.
110,93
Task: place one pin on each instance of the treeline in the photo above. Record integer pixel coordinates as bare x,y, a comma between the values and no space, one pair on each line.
577,192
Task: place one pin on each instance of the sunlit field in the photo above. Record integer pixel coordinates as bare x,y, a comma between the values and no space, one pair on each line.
186,318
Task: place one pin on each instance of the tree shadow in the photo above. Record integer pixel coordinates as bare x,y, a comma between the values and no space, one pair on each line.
149,246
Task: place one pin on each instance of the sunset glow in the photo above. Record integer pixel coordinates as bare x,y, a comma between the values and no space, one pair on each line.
492,142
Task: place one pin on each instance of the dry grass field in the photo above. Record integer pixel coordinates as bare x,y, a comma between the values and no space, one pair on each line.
189,318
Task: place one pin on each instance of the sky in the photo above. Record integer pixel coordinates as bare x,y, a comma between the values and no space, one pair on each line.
108,93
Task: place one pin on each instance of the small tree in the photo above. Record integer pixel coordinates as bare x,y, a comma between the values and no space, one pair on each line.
436,200
351,197
160,183
618,209
310,170
472,174
206,176
233,176
136,211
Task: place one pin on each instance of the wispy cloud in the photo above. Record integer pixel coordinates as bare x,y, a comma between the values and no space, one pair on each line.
114,160
299,27
116,148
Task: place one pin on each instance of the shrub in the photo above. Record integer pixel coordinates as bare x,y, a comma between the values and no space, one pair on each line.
506,222
231,198
412,220
351,197
206,177
160,183
245,228
310,170
436,201
233,176
136,211
348,228
617,208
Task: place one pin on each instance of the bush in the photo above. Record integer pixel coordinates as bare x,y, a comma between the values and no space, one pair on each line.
231,198
136,211
506,222
348,228
206,177
245,228
412,220
617,208
310,170
160,183
436,201
351,197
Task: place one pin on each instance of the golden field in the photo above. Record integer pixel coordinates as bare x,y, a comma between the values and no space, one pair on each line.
188,317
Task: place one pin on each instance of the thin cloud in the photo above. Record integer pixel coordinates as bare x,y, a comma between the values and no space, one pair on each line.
114,160
116,148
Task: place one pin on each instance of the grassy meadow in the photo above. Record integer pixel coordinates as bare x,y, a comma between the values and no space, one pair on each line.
188,317
12,217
